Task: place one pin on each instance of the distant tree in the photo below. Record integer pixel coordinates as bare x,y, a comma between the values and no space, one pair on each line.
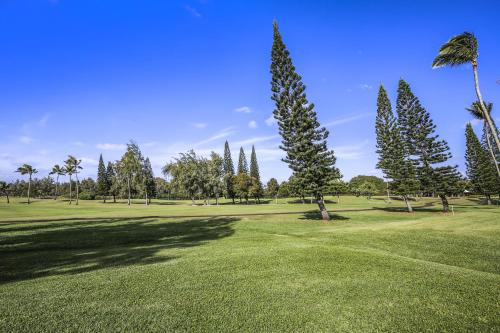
303,139
284,190
242,162
148,181
426,151
338,187
102,179
273,188
242,185
4,189
393,154
480,170
228,173
162,187
129,167
58,171
88,189
74,163
216,176
27,169
356,182
113,183
256,187
186,174
368,189
459,50
476,111
69,169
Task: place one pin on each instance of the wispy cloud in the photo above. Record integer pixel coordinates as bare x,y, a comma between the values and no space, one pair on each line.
270,121
365,86
192,11
224,133
252,124
199,125
243,109
255,140
351,152
42,122
78,144
26,139
348,119
111,146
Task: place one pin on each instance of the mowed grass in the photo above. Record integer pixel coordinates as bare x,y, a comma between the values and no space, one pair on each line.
174,267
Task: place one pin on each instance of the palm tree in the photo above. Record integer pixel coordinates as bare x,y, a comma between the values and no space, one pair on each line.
129,166
476,112
69,170
73,165
27,169
459,50
4,188
58,171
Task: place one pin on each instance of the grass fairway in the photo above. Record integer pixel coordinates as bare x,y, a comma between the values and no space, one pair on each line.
173,267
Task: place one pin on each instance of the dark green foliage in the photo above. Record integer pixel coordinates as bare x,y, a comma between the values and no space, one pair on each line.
102,180
393,154
272,187
378,183
458,50
148,180
242,162
113,183
480,171
228,173
256,190
303,138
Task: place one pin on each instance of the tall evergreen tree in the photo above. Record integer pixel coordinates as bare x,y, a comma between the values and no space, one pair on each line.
303,138
242,162
256,187
425,149
148,180
113,184
480,171
228,173
393,154
102,179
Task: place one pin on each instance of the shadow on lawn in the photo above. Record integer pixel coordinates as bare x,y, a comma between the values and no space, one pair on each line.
316,215
83,246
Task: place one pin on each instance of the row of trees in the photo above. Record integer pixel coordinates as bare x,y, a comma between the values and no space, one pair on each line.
214,177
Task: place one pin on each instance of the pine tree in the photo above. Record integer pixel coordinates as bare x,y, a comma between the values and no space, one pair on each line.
148,181
242,162
425,149
480,170
228,173
303,138
256,188
273,188
112,182
102,180
393,155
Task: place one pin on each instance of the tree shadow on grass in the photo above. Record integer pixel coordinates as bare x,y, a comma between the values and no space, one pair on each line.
84,246
316,215
427,207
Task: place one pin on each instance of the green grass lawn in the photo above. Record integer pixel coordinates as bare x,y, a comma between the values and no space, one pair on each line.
174,267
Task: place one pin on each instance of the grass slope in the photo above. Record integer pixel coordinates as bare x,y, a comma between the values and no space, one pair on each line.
100,267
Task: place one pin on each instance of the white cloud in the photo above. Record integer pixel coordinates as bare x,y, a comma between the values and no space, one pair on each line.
252,124
255,140
192,11
150,144
349,119
243,109
365,86
26,139
43,121
351,152
270,121
89,161
199,125
219,135
111,146
78,144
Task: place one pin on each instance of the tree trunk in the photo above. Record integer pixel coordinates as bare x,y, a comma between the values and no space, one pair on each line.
70,191
408,205
192,199
128,187
490,148
444,201
233,200
57,183
217,200
488,199
29,189
7,195
114,198
146,193
487,116
76,175
324,213
276,198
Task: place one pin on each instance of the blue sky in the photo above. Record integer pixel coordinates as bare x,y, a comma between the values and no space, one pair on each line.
85,77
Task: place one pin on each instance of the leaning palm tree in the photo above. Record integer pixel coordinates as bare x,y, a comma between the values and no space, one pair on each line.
73,164
476,111
69,170
4,188
58,171
27,169
459,50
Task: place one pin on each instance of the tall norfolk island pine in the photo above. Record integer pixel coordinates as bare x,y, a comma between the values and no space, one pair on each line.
303,138
102,180
393,153
426,151
256,187
228,173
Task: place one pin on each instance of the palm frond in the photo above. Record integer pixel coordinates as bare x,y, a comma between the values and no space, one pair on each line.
458,50
476,110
